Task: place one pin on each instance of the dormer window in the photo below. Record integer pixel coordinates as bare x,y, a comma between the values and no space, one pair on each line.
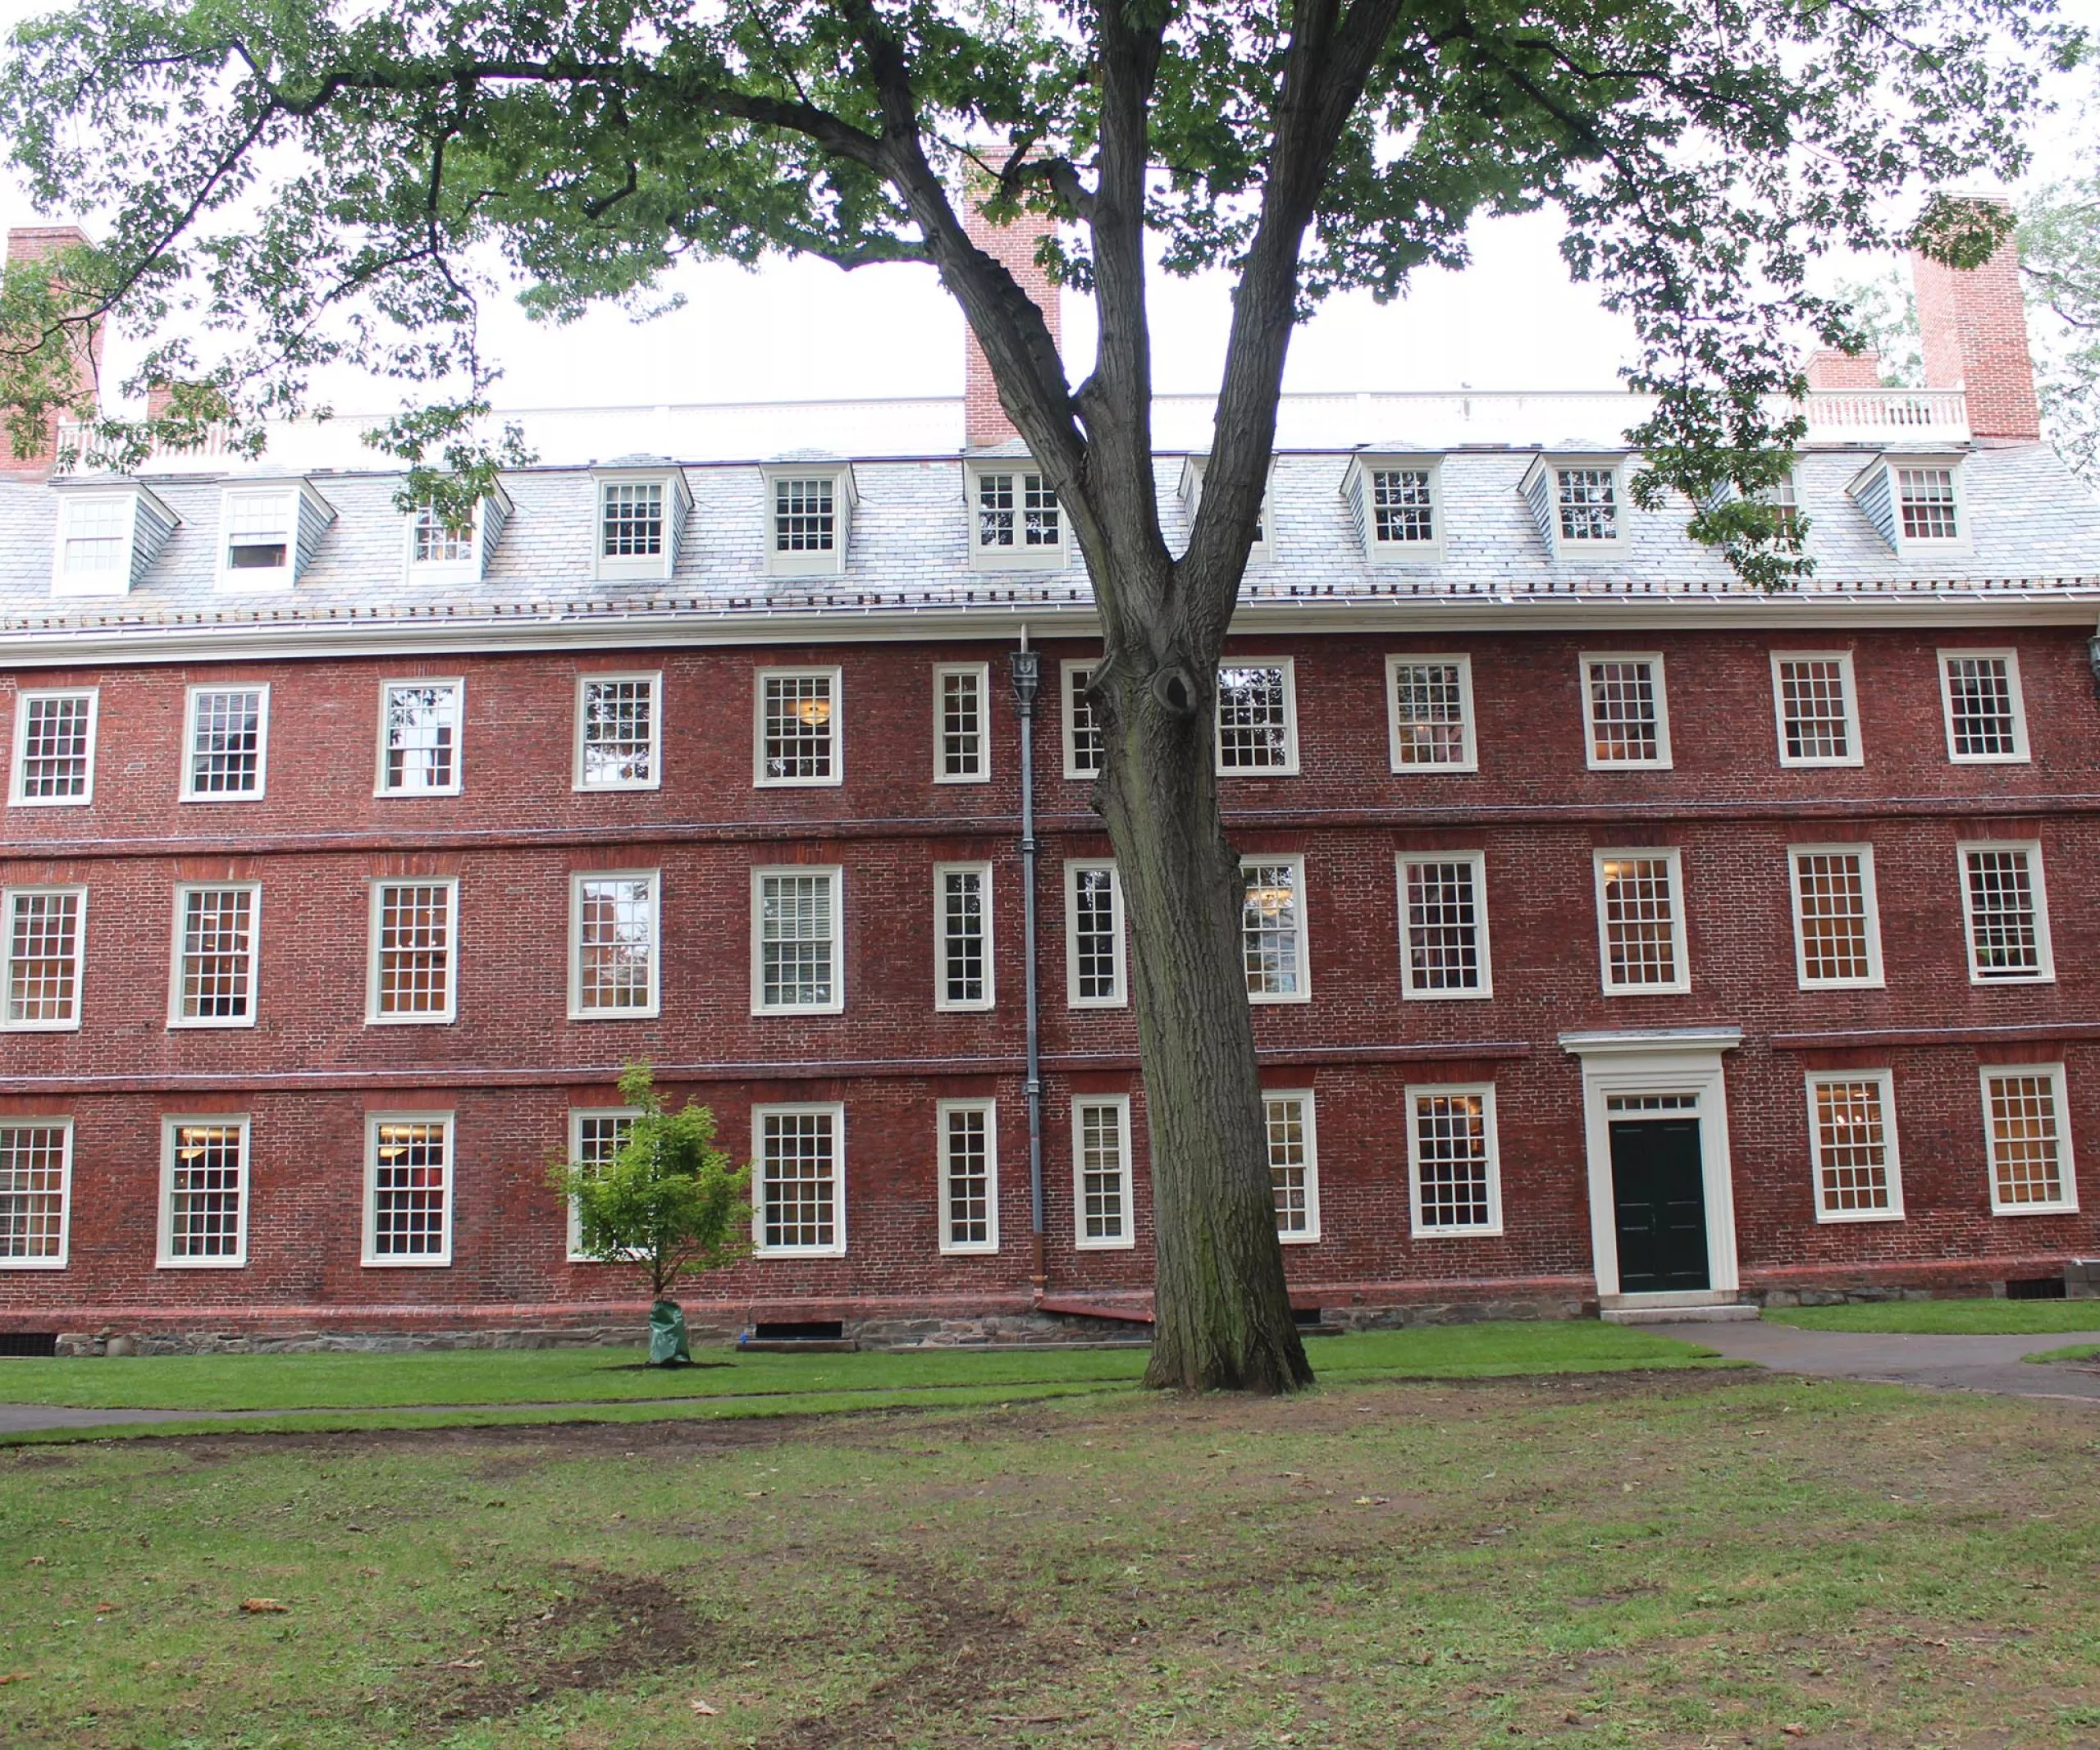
1588,499
1925,498
268,532
440,541
1195,468
1395,503
108,534
1016,521
808,519
1578,502
1916,501
641,514
634,520
93,542
441,550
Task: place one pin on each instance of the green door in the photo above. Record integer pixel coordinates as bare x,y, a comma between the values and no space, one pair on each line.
1659,1194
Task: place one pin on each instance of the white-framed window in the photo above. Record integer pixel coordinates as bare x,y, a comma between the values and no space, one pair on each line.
440,549
226,743
962,728
596,1135
1016,521
259,541
95,554
1293,1163
2027,1137
1836,918
419,735
968,1142
1194,469
1083,749
54,764
1816,707
1640,922
203,1223
1443,926
1102,1218
1429,707
963,936
1454,1173
1272,931
1927,504
1403,506
1577,503
1851,1130
2006,910
798,942
414,969
1396,507
613,956
619,732
36,1187
805,513
1627,710
1784,496
215,928
1586,499
46,949
799,1189
436,540
799,741
1093,935
1258,717
1986,718
408,1188
630,519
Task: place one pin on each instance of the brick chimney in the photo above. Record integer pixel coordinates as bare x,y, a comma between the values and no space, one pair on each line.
33,243
1974,328
985,422
1832,369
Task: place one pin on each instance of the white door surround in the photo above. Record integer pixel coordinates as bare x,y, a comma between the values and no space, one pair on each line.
1683,1062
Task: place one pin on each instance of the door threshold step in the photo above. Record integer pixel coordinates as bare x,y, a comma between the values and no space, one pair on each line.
1707,1314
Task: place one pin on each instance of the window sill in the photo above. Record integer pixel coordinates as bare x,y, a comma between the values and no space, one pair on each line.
410,1020
443,1263
202,1263
1853,1217
2035,1209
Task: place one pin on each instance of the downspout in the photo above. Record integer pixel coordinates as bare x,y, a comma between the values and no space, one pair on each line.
1027,678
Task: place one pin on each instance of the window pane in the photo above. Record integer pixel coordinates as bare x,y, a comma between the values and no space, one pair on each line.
1401,508
966,1165
1095,934
33,1190
1253,718
634,520
1851,1146
798,726
439,543
1623,721
1443,926
1100,1128
226,743
1589,505
423,734
1087,754
218,949
415,948
53,756
1290,1163
616,945
1836,939
1980,702
95,531
204,1191
2026,1152
1269,925
1927,497
1451,1163
408,1190
43,946
1639,922
962,935
619,733
1016,510
803,520
2004,925
795,941
798,1169
962,724
1815,722
1429,714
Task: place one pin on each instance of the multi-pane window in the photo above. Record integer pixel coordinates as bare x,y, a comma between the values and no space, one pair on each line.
613,967
961,743
1455,1180
1852,1123
214,956
1813,700
47,934
2007,913
1016,510
1837,932
54,748
1083,754
1443,926
1101,1173
798,726
1985,722
804,518
408,1188
969,1176
97,541
1272,929
228,726
1784,496
1255,730
438,541
204,1193
962,939
596,1135
1629,721
1094,936
36,1172
618,727
260,531
419,738
2028,1135
414,964
800,1203
1640,922
1401,507
795,941
1924,497
1294,1165
632,513
1588,503
1430,700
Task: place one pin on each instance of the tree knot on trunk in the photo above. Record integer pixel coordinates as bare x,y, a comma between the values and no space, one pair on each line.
1174,689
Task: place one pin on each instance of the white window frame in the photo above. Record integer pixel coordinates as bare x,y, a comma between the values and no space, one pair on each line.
1962,540
2045,972
1304,1096
1482,954
835,677
983,673
38,1122
942,871
1874,978
189,792
1489,1229
654,1007
1660,684
951,1247
458,684
2022,752
369,1257
1018,557
1295,862
468,569
810,562
1066,727
678,507
1128,1240
1680,948
577,1116
785,1108
372,1016
1843,660
836,874
165,1258
134,500
29,890
1885,1081
1289,768
1469,755
15,797
1359,488
1073,999
176,1018
655,780
2067,1168
259,579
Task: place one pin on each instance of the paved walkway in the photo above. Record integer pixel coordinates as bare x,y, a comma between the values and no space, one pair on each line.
1959,1363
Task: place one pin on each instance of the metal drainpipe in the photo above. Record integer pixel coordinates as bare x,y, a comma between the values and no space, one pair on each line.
1027,678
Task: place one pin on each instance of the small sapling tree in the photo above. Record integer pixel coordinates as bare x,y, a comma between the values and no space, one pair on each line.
668,1204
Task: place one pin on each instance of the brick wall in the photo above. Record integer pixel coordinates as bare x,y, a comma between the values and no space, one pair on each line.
1013,247
1973,326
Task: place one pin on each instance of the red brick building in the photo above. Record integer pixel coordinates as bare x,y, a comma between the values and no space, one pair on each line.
1618,934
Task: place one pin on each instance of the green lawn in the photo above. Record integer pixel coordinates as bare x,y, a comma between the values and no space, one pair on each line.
1978,1318
2069,1352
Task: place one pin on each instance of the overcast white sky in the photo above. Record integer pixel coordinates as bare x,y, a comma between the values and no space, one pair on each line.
804,329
